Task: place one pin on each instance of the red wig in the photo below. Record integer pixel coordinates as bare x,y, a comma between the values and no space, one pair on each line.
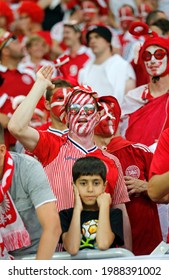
33,10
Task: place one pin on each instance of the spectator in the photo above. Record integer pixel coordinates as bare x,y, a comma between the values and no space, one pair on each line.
78,54
107,74
54,103
11,53
91,210
57,154
30,220
6,16
145,109
135,160
36,48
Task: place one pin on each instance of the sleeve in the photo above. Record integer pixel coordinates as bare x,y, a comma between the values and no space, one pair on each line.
120,191
65,219
48,147
35,182
160,162
116,221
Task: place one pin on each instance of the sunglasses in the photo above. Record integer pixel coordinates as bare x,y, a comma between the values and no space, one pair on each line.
88,108
158,54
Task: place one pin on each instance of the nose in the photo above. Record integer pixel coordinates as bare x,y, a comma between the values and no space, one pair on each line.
90,188
82,111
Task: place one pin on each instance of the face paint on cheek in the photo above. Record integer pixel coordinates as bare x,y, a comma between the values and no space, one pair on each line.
84,126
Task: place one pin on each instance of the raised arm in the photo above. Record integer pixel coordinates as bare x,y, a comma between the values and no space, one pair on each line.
19,123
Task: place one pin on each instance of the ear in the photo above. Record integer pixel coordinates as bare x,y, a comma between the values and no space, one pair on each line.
105,185
98,116
2,149
47,105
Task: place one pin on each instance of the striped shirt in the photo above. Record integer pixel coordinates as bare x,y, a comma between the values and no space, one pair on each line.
58,154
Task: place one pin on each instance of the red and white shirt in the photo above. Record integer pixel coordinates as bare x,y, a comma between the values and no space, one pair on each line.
58,154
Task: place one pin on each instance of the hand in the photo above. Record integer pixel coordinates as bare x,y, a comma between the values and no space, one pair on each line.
135,185
104,199
77,199
45,74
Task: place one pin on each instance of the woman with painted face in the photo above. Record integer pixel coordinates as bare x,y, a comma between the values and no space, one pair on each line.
145,109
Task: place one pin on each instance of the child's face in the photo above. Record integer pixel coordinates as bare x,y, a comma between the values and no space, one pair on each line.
90,187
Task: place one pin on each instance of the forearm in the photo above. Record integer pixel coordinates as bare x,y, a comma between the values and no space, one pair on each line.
104,229
71,238
48,243
158,187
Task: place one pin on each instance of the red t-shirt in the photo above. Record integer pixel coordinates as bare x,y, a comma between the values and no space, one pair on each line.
58,154
160,162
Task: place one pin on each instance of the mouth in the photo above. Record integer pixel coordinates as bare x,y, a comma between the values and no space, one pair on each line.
82,120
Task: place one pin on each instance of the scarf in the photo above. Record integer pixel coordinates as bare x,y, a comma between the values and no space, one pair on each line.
13,234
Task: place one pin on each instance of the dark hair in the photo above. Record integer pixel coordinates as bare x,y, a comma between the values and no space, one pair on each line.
59,83
163,24
89,166
153,16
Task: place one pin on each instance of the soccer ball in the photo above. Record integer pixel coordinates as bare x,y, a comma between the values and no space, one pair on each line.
89,229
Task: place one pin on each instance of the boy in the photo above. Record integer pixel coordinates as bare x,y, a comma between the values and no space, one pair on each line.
91,223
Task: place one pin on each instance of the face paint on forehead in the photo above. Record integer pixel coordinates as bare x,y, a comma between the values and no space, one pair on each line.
82,98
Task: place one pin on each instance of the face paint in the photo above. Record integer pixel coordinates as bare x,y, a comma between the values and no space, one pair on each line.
57,102
106,126
89,9
154,63
82,123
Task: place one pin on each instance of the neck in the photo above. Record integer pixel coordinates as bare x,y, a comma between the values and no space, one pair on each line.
160,87
101,141
11,64
74,49
85,141
58,125
102,57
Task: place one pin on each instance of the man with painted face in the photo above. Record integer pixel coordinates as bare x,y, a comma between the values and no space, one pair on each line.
58,154
145,109
54,103
135,159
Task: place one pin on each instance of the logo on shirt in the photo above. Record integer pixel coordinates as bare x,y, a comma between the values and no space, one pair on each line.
132,171
26,79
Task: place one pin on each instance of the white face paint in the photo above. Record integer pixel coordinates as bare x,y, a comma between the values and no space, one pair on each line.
155,67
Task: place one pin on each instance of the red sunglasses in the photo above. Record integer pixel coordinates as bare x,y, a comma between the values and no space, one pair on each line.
158,54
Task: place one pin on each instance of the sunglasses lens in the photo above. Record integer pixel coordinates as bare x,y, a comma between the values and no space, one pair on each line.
159,54
146,56
74,109
89,109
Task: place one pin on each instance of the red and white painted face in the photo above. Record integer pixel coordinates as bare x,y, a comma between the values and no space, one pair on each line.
155,59
106,126
57,102
82,114
89,10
